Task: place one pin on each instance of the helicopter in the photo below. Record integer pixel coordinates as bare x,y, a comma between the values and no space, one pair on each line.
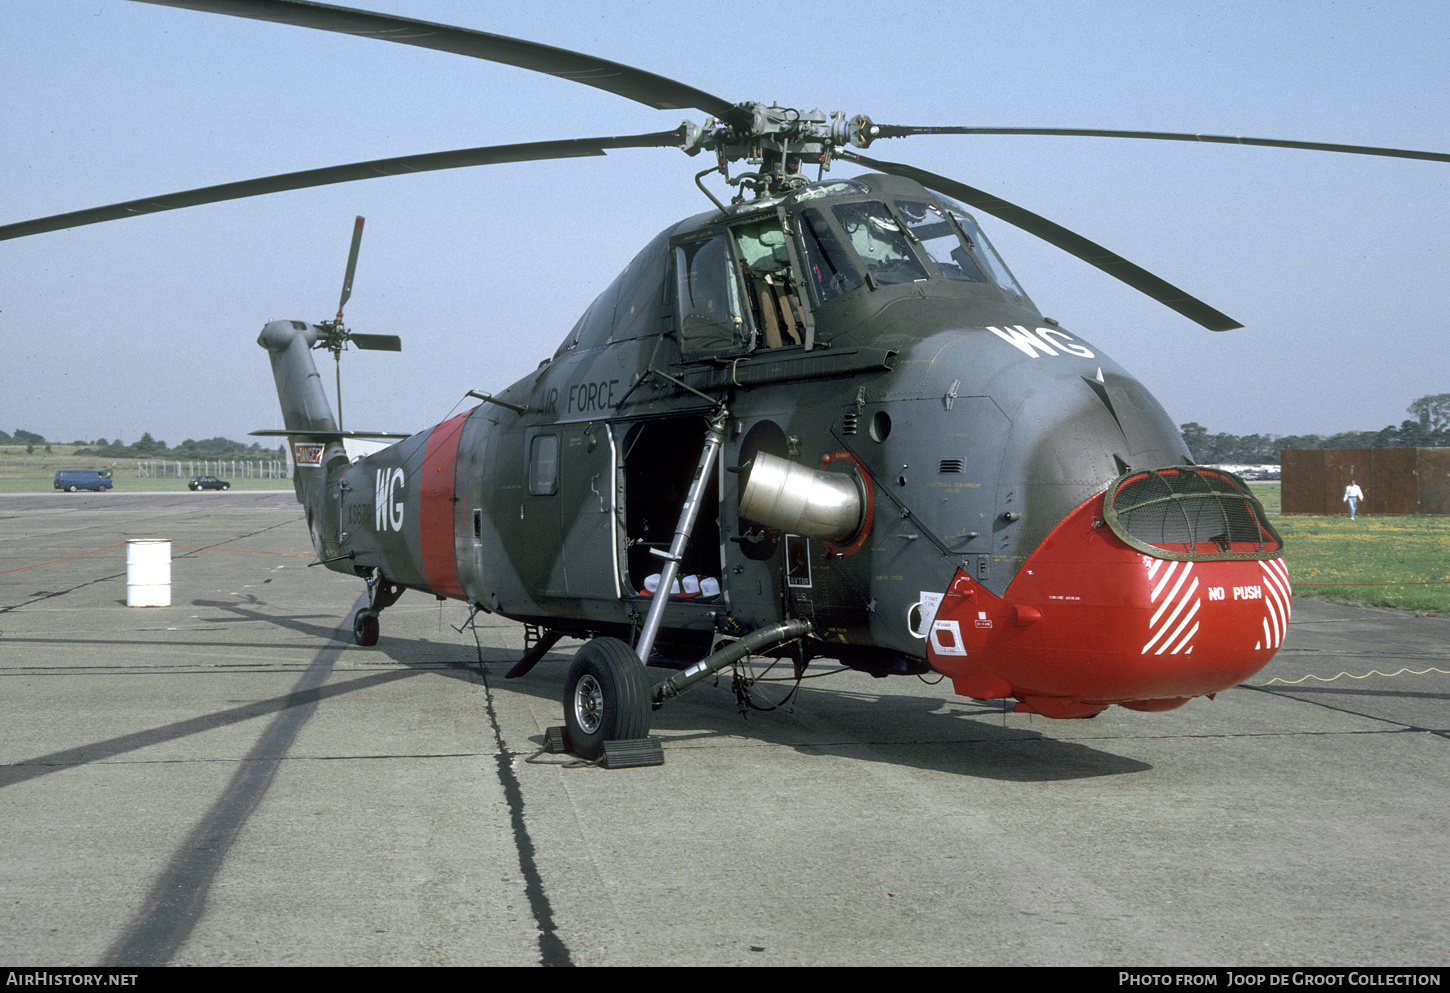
822,420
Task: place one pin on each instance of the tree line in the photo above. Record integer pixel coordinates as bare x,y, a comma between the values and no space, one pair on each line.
1428,428
151,448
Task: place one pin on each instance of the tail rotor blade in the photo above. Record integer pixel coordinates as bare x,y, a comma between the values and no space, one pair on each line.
377,342
357,230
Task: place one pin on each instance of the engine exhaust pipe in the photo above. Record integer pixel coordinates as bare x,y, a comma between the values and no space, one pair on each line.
788,497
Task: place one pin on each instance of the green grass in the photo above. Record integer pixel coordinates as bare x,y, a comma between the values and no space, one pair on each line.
1401,562
1268,494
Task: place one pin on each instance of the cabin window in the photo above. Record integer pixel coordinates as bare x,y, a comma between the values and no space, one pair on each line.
544,465
879,241
711,316
938,236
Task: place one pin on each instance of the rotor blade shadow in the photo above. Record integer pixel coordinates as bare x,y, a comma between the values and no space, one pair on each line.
99,751
99,642
289,622
1294,691
32,768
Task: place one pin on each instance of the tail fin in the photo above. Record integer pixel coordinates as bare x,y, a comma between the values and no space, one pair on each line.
311,430
319,452
299,386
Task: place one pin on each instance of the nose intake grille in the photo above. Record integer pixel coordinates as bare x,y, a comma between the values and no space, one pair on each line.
1190,513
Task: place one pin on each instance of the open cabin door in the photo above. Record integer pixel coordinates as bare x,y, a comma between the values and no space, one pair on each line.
659,460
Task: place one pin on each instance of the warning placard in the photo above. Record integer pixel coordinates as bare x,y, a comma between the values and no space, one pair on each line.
308,453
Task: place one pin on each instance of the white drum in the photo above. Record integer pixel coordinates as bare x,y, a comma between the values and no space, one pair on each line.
148,572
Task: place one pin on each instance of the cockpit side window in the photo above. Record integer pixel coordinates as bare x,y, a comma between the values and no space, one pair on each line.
737,290
879,241
829,267
771,288
938,236
711,317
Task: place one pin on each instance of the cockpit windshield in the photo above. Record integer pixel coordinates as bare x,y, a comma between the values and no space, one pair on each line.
742,286
929,225
880,242
983,250
831,270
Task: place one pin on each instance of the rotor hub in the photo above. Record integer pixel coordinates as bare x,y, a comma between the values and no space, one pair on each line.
778,140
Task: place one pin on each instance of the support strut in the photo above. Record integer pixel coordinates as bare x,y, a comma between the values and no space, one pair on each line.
537,651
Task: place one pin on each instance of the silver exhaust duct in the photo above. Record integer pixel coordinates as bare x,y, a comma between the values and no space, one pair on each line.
788,497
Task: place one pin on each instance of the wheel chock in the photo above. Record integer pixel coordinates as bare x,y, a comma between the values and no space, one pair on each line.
629,753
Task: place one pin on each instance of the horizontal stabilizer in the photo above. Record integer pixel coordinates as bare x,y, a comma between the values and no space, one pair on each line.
331,435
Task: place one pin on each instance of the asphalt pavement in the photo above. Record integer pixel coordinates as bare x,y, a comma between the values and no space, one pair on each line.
229,780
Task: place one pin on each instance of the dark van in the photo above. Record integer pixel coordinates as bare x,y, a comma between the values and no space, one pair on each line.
84,479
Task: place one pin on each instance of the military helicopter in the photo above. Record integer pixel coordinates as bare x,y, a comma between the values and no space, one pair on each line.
822,420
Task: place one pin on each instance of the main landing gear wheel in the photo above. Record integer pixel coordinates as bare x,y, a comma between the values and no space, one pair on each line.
606,697
365,627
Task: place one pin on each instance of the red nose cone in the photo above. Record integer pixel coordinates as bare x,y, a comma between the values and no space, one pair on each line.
1089,622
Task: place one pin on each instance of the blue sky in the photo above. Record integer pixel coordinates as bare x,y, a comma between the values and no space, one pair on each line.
1336,264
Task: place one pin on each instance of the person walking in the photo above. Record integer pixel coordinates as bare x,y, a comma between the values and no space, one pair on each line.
1352,496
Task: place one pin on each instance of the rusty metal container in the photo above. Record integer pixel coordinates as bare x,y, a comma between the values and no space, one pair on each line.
1394,480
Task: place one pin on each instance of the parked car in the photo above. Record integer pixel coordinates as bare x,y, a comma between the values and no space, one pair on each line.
83,479
208,483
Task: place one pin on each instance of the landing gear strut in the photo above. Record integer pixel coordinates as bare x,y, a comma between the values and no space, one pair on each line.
381,593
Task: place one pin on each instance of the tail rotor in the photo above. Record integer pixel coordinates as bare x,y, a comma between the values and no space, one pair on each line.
334,336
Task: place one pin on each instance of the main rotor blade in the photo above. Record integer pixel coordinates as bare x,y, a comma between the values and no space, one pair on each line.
1055,234
643,87
377,342
901,131
491,155
357,229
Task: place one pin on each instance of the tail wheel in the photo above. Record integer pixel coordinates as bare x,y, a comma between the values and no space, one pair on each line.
365,627
606,697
